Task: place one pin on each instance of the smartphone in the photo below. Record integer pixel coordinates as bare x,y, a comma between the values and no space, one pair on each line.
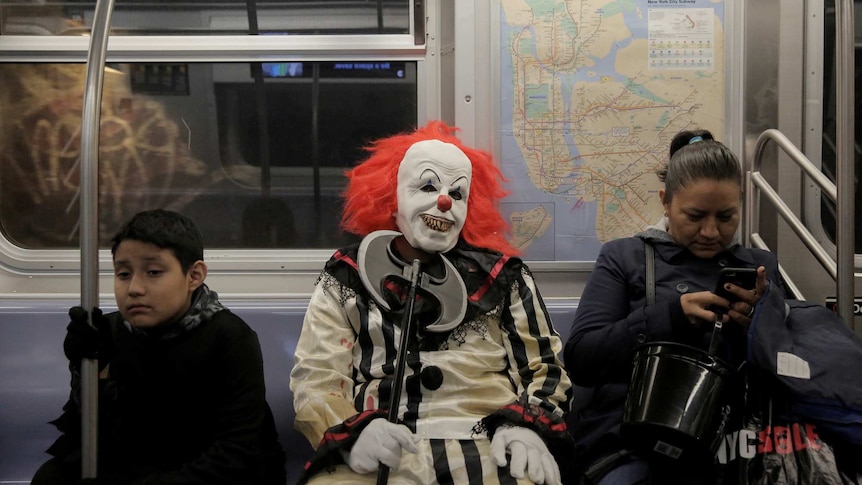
742,277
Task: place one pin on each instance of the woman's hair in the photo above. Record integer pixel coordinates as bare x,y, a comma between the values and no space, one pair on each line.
371,200
696,155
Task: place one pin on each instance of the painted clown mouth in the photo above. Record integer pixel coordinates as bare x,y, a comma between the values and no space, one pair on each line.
437,223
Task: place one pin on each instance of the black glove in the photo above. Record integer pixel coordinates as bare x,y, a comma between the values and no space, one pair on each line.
84,341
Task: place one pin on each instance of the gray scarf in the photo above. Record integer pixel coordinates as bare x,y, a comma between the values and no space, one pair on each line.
205,304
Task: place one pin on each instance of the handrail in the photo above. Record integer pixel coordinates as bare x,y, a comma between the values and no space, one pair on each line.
841,271
756,185
89,225
794,290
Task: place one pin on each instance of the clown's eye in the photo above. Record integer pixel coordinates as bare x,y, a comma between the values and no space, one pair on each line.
455,194
428,187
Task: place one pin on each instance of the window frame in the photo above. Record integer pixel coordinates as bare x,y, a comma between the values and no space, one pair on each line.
815,69
222,49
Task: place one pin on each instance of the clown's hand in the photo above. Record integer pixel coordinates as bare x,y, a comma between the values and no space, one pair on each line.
380,442
528,452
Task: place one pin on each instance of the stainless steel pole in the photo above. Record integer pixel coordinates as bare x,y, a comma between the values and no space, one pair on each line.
89,226
845,157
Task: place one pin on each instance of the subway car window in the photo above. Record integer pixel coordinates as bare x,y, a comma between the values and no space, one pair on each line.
827,208
216,17
255,153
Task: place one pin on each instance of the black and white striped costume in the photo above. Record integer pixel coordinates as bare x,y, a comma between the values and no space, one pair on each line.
499,365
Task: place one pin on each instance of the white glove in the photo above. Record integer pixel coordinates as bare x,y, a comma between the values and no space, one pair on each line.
380,442
528,451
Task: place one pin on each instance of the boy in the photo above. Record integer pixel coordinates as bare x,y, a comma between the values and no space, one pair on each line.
181,388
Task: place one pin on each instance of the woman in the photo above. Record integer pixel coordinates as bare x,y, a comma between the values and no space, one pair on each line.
694,240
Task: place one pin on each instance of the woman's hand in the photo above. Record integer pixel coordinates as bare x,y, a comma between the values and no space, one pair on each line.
741,311
697,306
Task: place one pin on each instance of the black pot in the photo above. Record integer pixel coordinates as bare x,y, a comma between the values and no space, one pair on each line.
678,403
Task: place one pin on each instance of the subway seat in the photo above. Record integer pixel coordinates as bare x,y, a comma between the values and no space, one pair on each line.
34,375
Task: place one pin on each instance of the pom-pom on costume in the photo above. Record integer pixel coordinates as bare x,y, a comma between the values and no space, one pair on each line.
494,368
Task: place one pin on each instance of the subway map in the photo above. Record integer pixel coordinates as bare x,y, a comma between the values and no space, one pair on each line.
592,93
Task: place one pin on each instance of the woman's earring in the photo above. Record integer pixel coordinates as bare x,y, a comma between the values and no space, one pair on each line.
665,213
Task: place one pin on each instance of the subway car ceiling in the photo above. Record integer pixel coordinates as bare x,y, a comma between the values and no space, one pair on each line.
244,115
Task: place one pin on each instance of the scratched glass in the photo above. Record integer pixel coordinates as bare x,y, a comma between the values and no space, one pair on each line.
211,17
254,153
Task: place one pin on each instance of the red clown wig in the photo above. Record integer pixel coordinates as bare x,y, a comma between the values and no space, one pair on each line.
371,202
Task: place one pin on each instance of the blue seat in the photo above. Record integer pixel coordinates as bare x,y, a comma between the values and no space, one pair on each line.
34,375
34,379
34,384
278,328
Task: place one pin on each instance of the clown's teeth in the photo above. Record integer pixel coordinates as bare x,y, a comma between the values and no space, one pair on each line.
436,223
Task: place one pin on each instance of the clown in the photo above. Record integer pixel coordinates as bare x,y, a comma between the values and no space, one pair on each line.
484,395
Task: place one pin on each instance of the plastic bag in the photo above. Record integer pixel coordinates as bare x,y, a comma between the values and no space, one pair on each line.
772,447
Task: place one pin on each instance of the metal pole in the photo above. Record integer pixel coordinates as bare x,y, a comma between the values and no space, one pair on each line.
89,227
315,147
845,157
379,16
261,108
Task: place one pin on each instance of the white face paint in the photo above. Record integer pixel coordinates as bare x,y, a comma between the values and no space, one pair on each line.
433,186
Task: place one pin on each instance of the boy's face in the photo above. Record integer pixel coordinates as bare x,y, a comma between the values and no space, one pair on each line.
150,286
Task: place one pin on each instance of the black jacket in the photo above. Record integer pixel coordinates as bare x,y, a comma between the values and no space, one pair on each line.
189,409
613,319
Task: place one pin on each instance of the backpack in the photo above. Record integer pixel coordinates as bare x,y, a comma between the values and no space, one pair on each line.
815,357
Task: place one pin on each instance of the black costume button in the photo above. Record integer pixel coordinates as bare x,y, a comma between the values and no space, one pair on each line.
641,338
682,288
431,377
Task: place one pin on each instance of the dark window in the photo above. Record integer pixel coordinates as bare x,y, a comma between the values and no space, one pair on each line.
828,209
200,148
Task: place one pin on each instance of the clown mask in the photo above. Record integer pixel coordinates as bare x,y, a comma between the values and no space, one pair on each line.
433,186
